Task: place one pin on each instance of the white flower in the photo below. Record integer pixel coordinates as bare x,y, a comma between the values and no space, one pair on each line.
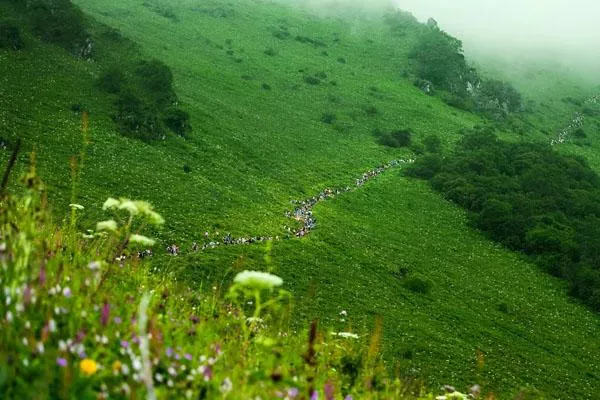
347,335
111,203
129,206
95,265
109,225
76,206
258,280
226,386
146,241
155,218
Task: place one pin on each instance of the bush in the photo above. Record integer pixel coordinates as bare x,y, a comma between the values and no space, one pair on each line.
328,118
59,22
10,37
155,79
112,81
178,121
311,80
425,167
270,52
136,118
418,285
432,143
400,138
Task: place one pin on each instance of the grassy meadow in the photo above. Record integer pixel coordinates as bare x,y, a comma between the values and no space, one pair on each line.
455,307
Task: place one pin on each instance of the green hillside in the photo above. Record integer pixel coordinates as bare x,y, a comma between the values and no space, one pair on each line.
284,103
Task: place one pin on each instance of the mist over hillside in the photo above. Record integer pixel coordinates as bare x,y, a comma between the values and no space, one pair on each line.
558,33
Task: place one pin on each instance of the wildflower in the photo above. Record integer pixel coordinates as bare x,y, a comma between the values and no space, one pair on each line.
146,241
76,206
105,313
109,225
111,203
116,367
156,218
343,313
206,372
258,280
61,362
349,397
9,317
94,265
314,395
329,389
346,335
88,367
293,393
129,206
226,386
67,292
52,325
40,348
187,356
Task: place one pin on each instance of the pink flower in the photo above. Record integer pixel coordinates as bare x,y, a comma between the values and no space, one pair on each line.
105,313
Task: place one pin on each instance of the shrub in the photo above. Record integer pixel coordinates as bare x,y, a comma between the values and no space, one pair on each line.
400,138
155,80
136,118
112,81
432,144
579,133
178,121
270,52
59,22
418,285
266,86
10,37
341,60
425,167
311,80
328,118
371,110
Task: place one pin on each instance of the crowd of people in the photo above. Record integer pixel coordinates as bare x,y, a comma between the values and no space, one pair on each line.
564,134
575,124
302,213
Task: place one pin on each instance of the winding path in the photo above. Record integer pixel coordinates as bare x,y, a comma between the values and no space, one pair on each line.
302,213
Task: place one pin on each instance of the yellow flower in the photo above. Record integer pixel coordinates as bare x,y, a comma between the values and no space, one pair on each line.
88,367
116,366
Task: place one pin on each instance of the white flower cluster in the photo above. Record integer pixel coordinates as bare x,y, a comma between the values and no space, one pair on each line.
258,280
134,208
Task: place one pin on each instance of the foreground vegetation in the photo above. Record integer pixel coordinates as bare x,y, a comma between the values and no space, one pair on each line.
82,317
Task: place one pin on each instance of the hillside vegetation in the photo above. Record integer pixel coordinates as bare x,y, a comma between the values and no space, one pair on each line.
275,103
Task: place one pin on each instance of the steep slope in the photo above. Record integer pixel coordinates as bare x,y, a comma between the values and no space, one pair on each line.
259,141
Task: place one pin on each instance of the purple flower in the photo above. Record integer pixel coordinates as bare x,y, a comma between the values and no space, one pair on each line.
293,393
207,373
314,395
329,390
67,292
42,276
61,362
188,356
124,344
349,397
105,313
117,320
169,352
